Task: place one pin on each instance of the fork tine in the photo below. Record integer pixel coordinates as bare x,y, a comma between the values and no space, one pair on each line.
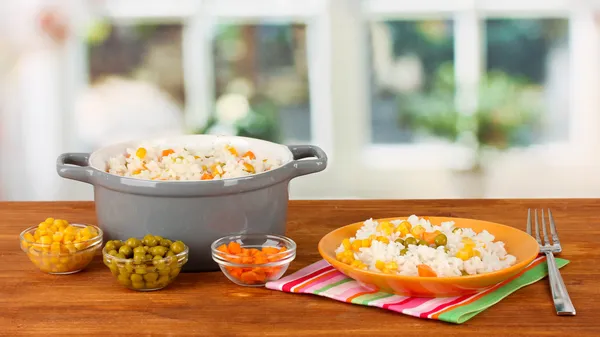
537,228
553,229
546,241
529,221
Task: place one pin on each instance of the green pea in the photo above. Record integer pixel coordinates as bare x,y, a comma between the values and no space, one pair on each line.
400,241
139,258
136,278
423,243
174,272
129,267
152,285
138,285
139,250
150,240
124,279
114,270
160,251
177,247
166,243
140,270
157,258
164,272
117,243
133,242
149,257
113,252
158,238
126,250
441,240
151,277
120,256
455,230
404,251
170,253
163,280
410,241
125,274
110,246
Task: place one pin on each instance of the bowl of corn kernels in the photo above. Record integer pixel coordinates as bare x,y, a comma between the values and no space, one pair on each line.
58,247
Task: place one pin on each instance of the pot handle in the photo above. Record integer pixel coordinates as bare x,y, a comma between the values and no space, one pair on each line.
304,167
74,166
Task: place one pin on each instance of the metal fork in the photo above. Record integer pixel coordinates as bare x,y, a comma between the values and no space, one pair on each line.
562,301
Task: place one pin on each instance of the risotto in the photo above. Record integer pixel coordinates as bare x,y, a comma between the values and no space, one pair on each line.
416,247
153,163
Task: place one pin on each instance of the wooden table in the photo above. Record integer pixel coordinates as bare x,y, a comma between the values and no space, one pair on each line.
91,302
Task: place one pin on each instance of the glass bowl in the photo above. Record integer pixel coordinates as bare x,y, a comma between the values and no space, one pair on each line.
148,275
61,258
253,259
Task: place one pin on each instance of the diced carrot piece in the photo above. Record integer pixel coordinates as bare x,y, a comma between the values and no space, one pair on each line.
249,277
250,155
167,152
138,171
234,247
236,272
426,271
270,250
206,176
283,249
253,251
247,259
223,248
430,237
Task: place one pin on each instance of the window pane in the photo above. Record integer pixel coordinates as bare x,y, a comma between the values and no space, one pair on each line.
145,52
136,84
526,91
411,64
261,81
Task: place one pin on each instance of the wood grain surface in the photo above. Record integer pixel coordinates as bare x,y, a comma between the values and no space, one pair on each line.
207,304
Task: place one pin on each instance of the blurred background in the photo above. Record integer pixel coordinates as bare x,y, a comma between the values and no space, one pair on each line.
427,99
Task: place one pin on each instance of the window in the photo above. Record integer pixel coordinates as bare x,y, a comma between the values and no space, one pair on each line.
410,64
526,89
261,82
136,83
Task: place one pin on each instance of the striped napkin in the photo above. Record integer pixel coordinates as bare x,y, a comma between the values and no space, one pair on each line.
322,279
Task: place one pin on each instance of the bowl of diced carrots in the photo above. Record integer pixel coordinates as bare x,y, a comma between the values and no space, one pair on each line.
253,259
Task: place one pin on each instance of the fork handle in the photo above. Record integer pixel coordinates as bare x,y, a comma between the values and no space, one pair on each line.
562,301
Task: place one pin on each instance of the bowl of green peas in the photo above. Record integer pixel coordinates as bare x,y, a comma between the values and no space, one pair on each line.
146,264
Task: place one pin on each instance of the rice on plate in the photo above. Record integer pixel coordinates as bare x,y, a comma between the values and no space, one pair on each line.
180,163
416,247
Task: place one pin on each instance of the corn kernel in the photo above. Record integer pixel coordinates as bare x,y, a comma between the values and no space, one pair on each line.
29,237
404,228
46,240
463,255
36,236
57,237
380,265
383,239
346,243
356,245
49,221
55,247
43,225
391,266
366,243
418,231
141,153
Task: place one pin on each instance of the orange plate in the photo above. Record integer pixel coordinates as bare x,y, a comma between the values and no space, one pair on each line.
517,243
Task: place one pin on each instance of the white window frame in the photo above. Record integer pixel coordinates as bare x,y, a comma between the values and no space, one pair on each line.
469,65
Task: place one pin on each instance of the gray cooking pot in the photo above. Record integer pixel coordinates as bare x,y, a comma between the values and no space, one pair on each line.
196,212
